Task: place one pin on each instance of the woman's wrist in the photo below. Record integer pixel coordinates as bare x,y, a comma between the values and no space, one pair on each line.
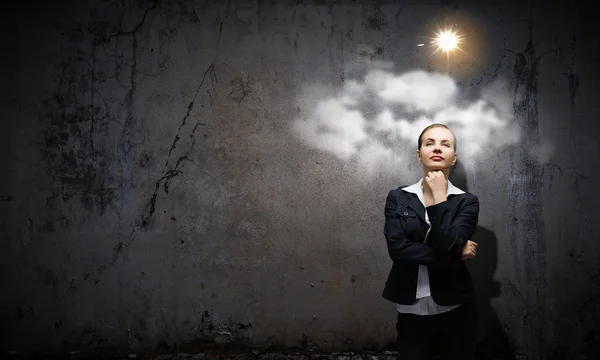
439,197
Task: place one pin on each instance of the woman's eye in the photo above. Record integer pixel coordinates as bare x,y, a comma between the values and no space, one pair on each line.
446,145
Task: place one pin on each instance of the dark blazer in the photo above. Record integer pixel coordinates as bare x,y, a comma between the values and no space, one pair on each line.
453,222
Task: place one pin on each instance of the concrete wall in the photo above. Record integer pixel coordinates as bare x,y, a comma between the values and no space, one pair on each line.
156,189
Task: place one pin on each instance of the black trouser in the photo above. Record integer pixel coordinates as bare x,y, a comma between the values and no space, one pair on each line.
445,336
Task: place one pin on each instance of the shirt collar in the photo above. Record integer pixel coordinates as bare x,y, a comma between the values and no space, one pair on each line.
416,189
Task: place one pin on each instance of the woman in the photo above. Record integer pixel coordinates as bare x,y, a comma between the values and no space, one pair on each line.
427,227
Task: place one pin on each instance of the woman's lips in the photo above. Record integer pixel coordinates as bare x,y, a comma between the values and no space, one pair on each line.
436,158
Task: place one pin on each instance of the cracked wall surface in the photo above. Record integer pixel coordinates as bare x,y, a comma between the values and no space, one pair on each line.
153,192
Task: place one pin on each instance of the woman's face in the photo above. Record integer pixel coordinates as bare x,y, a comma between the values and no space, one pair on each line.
437,149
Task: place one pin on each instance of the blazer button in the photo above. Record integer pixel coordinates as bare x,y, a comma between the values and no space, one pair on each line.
405,213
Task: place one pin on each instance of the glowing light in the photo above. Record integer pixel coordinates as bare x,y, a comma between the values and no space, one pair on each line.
447,41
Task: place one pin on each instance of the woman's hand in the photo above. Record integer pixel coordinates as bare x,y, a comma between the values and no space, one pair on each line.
436,182
469,251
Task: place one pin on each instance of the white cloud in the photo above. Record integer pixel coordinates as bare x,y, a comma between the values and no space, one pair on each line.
373,120
384,121
353,91
334,128
417,90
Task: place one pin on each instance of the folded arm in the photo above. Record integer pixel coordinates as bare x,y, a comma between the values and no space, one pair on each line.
448,234
400,248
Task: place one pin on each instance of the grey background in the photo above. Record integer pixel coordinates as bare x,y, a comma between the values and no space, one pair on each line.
152,191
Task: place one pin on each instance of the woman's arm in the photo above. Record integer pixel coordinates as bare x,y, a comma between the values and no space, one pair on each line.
399,247
448,236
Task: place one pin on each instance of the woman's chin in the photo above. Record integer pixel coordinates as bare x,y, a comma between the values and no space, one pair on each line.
437,167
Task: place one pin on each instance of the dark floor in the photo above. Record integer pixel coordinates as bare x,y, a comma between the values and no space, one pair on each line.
225,354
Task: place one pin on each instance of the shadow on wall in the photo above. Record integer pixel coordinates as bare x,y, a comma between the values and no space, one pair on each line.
492,342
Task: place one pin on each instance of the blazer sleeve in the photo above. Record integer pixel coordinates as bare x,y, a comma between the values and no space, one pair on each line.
399,247
449,234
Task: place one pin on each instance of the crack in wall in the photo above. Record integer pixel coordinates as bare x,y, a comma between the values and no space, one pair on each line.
169,174
571,75
526,233
221,24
